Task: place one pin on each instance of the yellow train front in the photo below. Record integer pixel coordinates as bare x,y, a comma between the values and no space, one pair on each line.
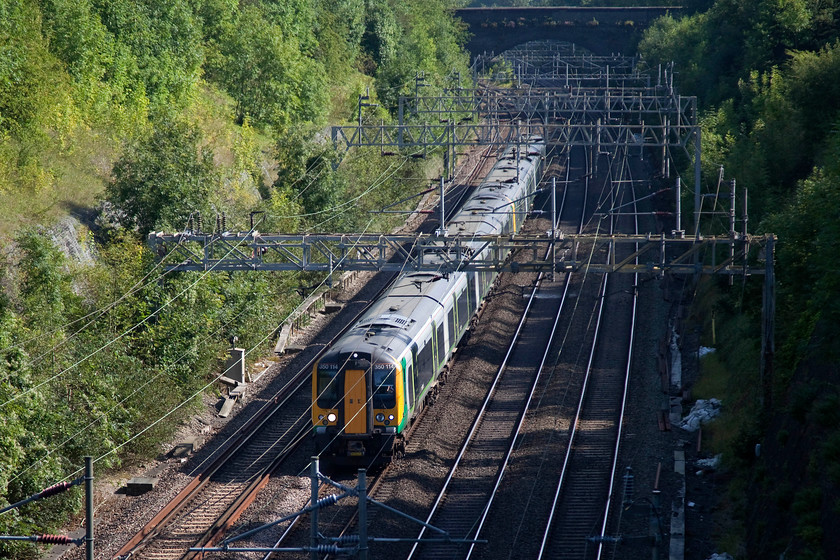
358,407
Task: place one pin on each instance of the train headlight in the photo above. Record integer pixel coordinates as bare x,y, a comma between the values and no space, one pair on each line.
391,417
380,417
332,417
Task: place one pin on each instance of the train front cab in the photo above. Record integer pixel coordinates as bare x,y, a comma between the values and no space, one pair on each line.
356,410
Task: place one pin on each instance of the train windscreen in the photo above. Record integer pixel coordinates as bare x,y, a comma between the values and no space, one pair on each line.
384,388
329,392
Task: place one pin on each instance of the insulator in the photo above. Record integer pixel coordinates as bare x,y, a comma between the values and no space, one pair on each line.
327,549
55,489
54,539
328,501
198,221
629,486
348,539
224,223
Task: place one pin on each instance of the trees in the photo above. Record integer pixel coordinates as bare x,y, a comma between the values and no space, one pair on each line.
170,108
161,180
273,81
29,76
768,73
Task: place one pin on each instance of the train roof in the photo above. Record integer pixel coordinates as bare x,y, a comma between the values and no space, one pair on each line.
393,321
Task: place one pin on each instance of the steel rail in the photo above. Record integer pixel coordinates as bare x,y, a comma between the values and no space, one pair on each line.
625,391
575,424
581,406
470,437
375,480
244,435
488,398
537,378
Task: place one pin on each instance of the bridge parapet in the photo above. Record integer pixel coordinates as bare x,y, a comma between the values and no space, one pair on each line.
602,30
565,15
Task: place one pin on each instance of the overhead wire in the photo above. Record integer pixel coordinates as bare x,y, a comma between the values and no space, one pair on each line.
169,413
393,336
104,414
140,284
124,333
188,399
554,367
135,288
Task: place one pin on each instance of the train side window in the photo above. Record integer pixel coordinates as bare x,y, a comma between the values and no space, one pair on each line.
473,289
441,345
463,312
415,381
425,365
409,387
450,317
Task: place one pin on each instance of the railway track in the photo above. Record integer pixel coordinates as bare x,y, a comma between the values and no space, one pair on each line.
207,506
468,490
467,495
463,506
211,503
579,517
388,487
577,522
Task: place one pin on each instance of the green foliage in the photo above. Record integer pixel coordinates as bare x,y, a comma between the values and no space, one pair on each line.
338,30
427,40
809,229
45,286
157,45
381,34
830,456
110,95
79,39
163,179
807,506
266,71
768,73
29,75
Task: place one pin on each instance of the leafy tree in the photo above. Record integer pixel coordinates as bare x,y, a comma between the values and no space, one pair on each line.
272,81
28,73
294,18
427,39
157,46
45,288
78,38
161,180
382,33
338,30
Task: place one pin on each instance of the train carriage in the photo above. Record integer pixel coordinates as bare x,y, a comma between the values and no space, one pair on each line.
371,384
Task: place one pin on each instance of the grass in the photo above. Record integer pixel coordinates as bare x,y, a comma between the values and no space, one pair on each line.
713,378
58,182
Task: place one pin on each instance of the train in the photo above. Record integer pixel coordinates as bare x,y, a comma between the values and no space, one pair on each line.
373,382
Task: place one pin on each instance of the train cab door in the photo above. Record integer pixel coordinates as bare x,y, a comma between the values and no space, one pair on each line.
355,401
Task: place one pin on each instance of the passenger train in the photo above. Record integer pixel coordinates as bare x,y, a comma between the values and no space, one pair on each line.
373,382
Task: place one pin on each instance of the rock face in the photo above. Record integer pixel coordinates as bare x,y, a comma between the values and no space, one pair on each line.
67,236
